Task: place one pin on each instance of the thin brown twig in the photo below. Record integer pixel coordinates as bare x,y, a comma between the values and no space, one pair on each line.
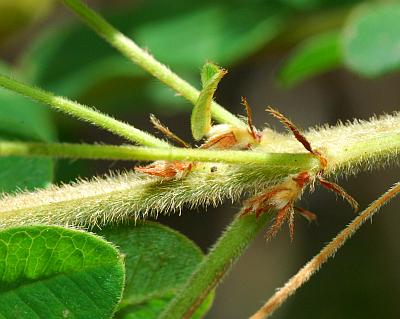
329,250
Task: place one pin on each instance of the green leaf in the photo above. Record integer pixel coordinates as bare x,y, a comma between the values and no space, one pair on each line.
158,261
200,120
371,39
21,119
70,60
54,272
314,56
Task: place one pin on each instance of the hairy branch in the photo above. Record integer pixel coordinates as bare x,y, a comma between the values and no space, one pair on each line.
122,197
82,112
134,153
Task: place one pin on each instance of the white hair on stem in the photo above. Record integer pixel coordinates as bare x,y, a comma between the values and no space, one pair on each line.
122,197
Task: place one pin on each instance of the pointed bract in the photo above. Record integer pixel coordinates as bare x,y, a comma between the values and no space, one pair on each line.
201,115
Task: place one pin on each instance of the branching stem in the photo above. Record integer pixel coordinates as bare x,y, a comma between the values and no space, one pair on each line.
315,263
142,58
122,197
82,112
119,198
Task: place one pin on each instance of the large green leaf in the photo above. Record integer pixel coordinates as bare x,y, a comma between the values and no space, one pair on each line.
158,261
316,55
22,119
371,39
54,272
72,59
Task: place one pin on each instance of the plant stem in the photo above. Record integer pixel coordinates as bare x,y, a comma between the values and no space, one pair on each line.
122,196
346,146
113,152
328,251
219,260
82,112
142,58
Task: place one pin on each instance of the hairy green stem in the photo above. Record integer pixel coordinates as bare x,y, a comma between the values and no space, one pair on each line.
112,152
126,196
82,112
348,148
344,148
142,58
116,199
215,265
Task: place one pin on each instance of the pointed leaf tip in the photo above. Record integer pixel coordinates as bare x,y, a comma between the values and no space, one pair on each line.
208,71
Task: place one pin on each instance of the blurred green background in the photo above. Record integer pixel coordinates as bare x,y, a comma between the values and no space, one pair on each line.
318,61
